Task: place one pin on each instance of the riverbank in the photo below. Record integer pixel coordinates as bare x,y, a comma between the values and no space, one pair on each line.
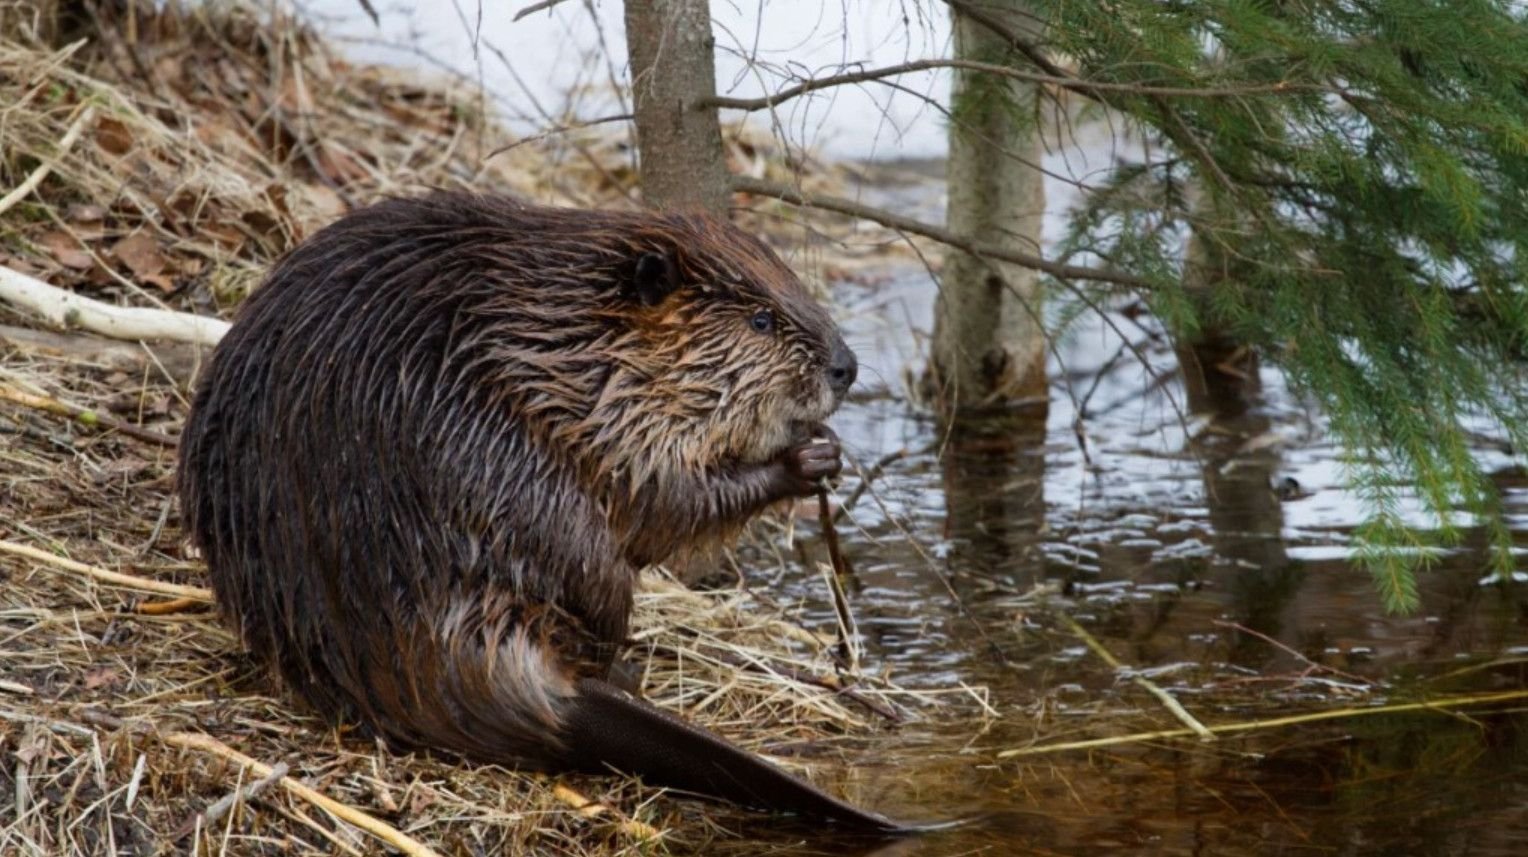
168,170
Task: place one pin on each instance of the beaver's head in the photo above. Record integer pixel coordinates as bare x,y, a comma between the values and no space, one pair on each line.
727,357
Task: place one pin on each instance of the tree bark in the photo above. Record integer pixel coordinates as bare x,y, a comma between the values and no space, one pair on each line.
989,345
673,73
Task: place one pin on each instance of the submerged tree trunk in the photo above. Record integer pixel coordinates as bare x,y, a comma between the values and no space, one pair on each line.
1220,374
988,348
673,69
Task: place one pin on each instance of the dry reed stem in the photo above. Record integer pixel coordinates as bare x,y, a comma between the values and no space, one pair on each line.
84,416
111,577
638,830
31,182
1168,701
1445,704
349,814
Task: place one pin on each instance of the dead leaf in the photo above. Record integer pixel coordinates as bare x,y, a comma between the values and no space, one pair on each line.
323,199
113,136
66,250
160,282
100,677
140,253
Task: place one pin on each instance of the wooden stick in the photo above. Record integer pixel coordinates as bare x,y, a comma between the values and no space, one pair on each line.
836,574
111,577
1273,723
180,360
84,416
1168,701
67,309
31,182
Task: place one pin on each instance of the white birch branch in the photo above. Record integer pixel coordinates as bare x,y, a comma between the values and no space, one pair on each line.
66,309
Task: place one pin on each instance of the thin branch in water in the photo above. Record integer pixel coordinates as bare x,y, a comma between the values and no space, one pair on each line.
1173,706
866,477
1439,705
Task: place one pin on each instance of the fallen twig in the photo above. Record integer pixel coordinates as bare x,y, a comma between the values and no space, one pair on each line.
222,805
84,416
1168,701
114,578
1313,666
31,182
1273,723
388,834
179,360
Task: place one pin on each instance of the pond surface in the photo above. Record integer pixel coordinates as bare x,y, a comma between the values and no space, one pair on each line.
1202,534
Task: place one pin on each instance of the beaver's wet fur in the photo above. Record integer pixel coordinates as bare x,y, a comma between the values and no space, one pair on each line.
429,459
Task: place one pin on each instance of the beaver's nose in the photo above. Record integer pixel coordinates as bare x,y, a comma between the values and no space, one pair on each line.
842,368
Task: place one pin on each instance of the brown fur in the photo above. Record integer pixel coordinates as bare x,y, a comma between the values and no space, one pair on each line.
428,461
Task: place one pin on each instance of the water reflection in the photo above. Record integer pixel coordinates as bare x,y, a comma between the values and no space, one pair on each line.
992,470
1222,381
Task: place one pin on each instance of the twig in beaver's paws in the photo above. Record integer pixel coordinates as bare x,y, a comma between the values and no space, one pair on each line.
835,575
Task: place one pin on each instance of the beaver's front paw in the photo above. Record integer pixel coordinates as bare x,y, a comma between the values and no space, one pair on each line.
807,464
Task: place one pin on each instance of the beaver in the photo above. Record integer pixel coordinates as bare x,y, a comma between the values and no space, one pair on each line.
440,441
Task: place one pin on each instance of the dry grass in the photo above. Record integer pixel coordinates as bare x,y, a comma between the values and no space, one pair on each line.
217,142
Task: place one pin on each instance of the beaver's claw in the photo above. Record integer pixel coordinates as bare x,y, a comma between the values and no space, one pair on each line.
806,465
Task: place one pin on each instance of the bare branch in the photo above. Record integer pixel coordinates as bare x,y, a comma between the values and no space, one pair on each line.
938,233
534,8
1071,82
560,129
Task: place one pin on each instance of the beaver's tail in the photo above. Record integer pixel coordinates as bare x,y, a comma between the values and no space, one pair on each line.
608,728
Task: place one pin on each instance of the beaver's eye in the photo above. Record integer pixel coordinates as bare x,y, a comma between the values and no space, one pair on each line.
762,321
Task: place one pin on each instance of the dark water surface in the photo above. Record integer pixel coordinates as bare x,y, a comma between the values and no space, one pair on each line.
1166,540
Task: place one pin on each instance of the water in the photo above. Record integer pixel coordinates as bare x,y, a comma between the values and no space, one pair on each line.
1168,542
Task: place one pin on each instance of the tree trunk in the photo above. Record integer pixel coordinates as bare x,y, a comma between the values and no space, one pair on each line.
1220,374
989,345
679,145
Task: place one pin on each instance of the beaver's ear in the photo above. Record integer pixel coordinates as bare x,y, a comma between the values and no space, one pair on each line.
654,278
